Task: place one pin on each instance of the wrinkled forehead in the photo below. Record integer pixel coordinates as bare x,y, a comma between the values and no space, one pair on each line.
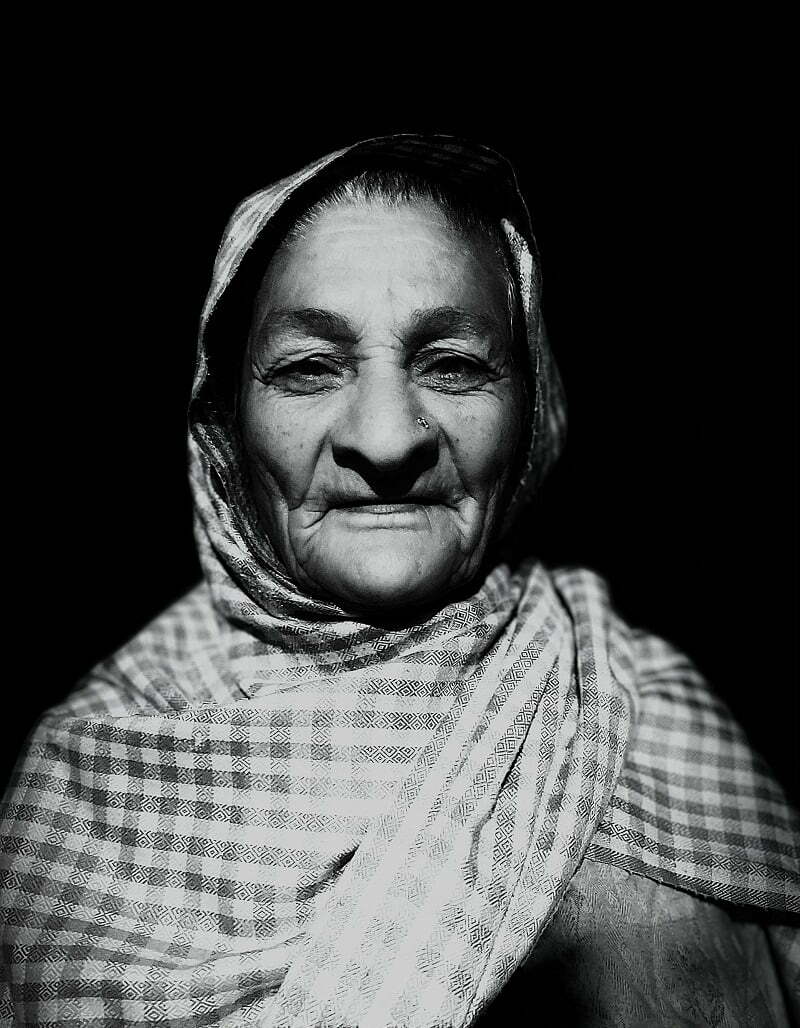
373,261
264,224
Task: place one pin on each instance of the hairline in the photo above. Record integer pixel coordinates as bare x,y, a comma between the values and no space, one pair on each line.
395,187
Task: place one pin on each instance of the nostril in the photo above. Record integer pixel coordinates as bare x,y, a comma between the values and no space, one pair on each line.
389,452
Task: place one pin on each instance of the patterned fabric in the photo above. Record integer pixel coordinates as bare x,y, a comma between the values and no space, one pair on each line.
693,795
261,811
394,834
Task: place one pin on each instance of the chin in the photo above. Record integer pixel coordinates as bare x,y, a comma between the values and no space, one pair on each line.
382,582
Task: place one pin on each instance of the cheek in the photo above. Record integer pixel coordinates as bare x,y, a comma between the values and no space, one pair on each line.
282,445
484,437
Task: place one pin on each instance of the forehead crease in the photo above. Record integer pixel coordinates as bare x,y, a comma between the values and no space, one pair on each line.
372,232
311,289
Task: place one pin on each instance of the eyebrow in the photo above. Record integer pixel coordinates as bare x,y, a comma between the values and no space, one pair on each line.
443,322
423,324
309,321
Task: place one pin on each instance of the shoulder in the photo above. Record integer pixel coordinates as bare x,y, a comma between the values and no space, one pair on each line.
695,806
171,663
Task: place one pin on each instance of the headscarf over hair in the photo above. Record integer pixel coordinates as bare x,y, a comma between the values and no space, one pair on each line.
479,175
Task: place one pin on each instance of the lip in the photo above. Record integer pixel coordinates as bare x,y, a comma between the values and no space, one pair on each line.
381,508
385,515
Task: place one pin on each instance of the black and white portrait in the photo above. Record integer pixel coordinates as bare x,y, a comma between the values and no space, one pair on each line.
409,640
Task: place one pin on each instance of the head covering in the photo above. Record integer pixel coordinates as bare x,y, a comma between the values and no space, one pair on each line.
253,232
262,811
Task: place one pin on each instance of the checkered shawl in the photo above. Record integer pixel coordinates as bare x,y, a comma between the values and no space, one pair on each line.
260,811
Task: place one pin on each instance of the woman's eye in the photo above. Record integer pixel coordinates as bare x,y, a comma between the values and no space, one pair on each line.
308,374
311,366
454,372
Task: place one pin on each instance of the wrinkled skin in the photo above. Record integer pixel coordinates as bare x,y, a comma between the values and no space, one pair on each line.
374,318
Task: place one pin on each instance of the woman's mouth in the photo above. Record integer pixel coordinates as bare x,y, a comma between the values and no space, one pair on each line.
382,508
385,515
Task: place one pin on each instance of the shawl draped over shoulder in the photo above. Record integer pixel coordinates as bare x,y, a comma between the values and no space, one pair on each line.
261,811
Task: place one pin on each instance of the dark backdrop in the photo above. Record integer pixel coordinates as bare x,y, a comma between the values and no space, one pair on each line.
665,223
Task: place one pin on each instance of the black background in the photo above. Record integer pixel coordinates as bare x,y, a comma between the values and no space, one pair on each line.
664,210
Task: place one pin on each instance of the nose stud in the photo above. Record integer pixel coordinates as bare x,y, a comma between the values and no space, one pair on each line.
423,423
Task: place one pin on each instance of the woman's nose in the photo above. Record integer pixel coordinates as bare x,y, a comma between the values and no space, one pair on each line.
383,431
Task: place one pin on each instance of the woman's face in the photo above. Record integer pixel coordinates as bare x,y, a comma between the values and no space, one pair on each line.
379,406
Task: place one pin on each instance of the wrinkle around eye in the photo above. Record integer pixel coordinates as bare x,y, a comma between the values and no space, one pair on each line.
309,376
302,367
455,371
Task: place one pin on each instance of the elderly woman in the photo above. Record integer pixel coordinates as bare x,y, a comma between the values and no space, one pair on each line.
382,767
